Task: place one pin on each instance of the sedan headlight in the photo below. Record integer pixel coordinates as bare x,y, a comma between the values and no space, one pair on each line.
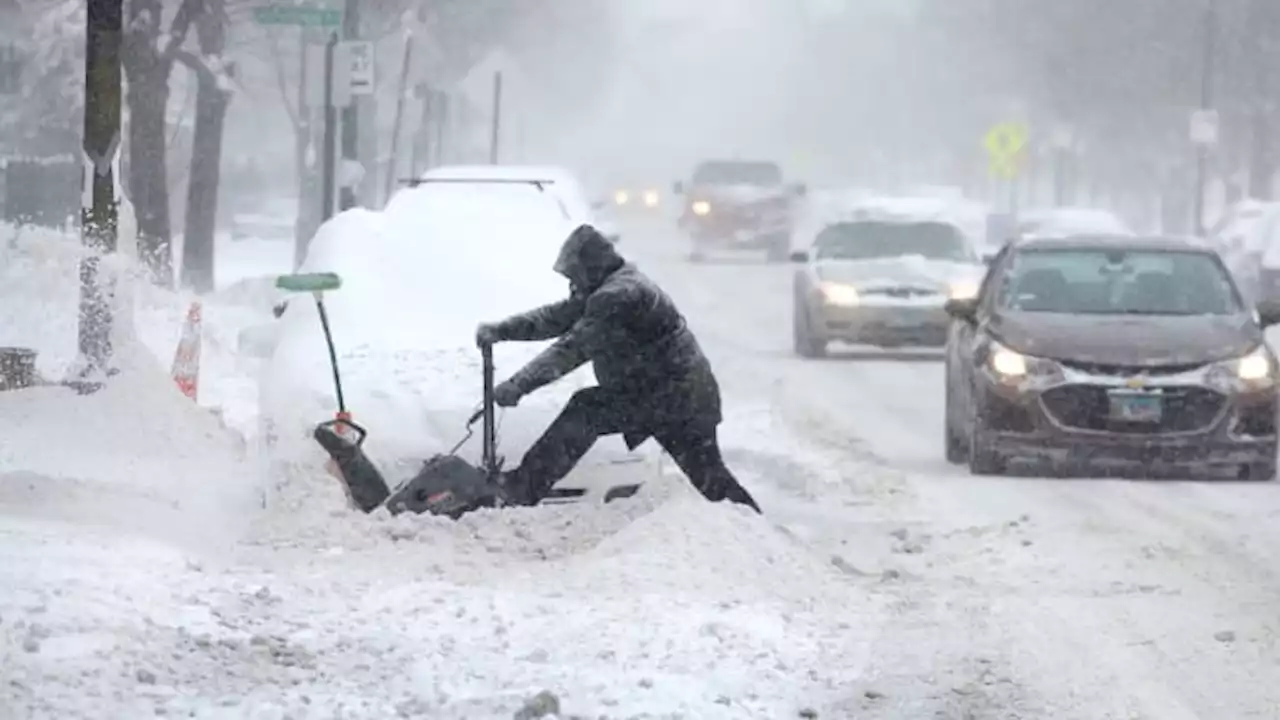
1013,366
837,294
701,207
621,197
1256,369
651,198
963,290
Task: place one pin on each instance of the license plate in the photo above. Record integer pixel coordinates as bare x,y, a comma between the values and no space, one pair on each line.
903,323
1136,407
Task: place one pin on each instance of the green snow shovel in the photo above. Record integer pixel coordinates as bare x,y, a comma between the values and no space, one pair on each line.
340,437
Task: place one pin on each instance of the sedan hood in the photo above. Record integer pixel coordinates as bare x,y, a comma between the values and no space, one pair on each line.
1148,341
910,271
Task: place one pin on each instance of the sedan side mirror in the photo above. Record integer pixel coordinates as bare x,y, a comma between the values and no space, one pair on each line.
987,258
799,256
598,205
677,188
963,309
1268,313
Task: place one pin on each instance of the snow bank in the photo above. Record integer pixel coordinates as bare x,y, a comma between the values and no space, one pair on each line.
418,277
137,452
657,618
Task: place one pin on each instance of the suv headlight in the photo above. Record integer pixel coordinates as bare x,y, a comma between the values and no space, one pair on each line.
1013,366
1255,369
701,207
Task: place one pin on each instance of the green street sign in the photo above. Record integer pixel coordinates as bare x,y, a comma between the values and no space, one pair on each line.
299,15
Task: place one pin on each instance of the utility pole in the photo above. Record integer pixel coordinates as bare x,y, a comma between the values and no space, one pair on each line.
328,161
351,113
1203,145
98,218
496,122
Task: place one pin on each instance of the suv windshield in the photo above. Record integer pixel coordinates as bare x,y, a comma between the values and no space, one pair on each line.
737,173
876,240
1117,282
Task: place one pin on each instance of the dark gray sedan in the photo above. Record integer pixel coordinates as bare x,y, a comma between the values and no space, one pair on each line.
1111,351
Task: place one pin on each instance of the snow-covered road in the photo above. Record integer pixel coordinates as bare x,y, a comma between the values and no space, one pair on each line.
1010,597
883,584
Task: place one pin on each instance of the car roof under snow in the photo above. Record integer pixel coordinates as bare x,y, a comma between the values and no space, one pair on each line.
1166,243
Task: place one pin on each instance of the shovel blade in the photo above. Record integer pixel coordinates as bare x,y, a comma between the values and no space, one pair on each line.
309,282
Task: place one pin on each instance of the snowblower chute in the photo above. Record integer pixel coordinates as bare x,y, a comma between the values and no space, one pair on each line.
446,484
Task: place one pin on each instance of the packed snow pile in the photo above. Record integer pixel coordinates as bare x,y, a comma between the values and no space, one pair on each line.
445,630
417,279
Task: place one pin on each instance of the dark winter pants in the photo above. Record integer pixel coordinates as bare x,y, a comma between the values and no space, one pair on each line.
593,412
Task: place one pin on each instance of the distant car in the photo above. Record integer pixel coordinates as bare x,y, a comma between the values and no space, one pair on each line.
635,197
564,186
738,205
1068,221
881,282
1111,350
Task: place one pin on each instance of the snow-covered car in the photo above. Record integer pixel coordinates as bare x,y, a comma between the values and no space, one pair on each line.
559,181
1248,239
418,277
881,281
739,205
1069,221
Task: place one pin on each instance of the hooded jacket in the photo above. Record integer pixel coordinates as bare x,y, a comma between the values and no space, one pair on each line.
632,333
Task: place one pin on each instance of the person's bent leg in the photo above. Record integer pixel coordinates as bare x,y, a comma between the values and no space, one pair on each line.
590,413
697,452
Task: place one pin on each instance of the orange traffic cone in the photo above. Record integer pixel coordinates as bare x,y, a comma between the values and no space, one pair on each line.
186,361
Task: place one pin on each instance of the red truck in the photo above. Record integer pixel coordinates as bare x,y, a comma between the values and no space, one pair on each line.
738,205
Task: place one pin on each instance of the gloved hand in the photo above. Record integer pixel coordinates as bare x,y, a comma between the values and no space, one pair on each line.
507,395
486,334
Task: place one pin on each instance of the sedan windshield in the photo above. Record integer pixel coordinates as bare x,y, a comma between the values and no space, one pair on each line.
877,240
1117,282
737,173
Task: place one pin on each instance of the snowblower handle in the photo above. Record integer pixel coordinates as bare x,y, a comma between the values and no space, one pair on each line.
489,438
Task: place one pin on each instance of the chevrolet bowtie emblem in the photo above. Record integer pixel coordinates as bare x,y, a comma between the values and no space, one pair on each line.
1135,383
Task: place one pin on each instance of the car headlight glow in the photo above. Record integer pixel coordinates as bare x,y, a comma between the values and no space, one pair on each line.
1012,366
651,198
1008,363
963,290
837,294
1254,367
701,207
621,197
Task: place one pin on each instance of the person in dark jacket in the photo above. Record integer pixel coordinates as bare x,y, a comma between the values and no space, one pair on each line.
653,379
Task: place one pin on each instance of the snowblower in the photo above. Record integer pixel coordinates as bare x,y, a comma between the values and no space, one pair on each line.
446,484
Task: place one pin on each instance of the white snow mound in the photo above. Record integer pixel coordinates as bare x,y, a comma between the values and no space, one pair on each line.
417,279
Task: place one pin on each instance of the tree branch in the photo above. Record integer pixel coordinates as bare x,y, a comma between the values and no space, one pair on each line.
283,83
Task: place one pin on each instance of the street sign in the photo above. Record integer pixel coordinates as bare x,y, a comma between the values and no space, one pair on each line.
297,15
359,54
1005,144
1204,127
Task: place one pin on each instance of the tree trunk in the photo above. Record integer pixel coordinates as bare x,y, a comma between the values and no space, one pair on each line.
206,155
148,182
202,186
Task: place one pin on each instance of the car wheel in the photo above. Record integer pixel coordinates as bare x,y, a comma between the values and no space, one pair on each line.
1263,470
806,343
957,450
983,458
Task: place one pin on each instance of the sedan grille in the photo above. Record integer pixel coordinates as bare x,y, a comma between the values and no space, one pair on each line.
1088,407
903,292
1130,371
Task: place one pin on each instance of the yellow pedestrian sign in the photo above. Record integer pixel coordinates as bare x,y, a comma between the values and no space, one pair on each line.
1005,144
